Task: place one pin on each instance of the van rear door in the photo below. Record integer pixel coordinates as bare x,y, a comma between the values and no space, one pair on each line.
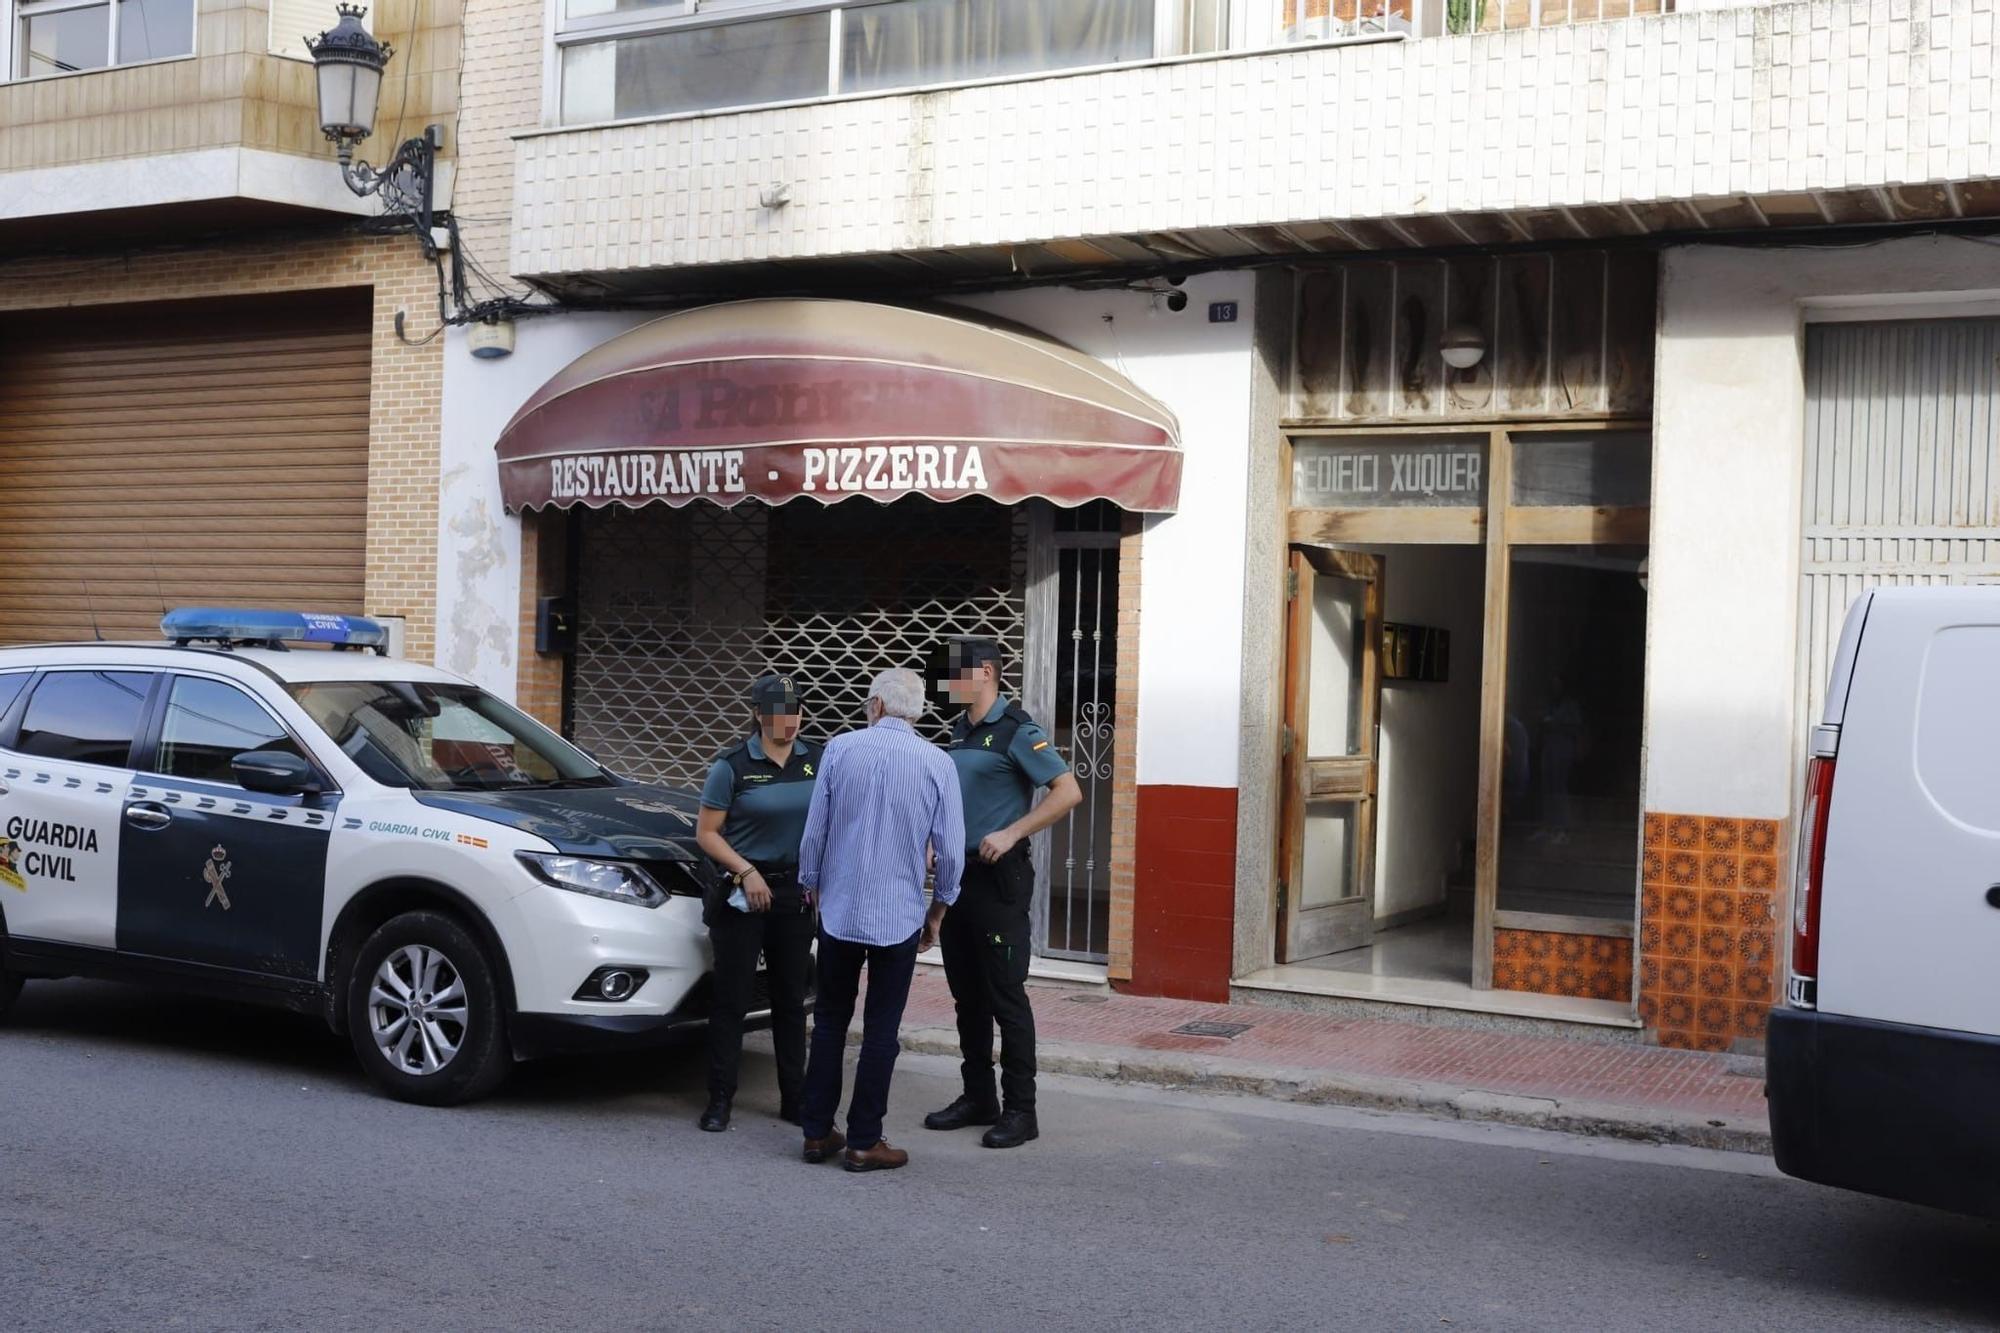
1909,928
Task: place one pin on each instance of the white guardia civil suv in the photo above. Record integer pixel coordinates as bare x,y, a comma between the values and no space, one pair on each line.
437,875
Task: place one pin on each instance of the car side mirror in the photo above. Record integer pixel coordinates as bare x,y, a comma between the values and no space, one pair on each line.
275,773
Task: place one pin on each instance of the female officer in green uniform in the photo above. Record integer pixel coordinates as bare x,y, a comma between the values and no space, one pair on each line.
753,812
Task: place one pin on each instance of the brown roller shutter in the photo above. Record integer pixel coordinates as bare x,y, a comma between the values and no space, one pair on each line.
207,453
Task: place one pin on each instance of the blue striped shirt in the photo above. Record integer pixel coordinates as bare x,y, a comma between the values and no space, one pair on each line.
883,795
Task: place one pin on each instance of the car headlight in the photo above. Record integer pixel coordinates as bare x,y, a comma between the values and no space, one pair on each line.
620,881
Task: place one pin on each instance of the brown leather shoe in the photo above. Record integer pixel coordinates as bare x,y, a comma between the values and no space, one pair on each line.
881,1157
819,1150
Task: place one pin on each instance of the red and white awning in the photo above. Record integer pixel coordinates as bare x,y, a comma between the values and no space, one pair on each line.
779,400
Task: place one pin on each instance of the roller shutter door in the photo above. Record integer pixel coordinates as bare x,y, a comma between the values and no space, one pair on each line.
183,453
1902,472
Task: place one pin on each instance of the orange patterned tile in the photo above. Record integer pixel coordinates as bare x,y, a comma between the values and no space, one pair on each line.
1754,947
1608,952
1680,940
1760,836
1537,944
1683,832
1569,980
1754,983
1535,977
1679,1039
1721,835
1718,943
1649,1009
1572,949
1683,869
1677,976
1760,873
1683,904
1506,974
1653,867
1718,907
1719,869
1676,1011
1750,1018
1715,1016
1715,981
1649,975
1714,1042
1756,909
1656,831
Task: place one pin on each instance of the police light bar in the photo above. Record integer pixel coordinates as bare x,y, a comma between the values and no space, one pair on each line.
272,629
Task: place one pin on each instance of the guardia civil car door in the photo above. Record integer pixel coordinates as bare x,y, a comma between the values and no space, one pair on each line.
68,734
210,872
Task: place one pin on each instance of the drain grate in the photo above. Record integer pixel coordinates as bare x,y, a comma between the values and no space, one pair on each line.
1224,1030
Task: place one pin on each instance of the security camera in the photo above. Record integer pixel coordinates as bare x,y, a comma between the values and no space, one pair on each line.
1177,301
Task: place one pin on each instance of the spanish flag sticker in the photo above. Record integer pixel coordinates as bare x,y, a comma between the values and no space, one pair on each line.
1041,745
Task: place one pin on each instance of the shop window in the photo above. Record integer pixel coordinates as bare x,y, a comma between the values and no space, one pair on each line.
71,36
1570,766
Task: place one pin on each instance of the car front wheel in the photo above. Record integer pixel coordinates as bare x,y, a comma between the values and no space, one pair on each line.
424,1013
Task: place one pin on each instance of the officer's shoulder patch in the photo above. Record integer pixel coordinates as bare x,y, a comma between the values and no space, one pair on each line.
1040,745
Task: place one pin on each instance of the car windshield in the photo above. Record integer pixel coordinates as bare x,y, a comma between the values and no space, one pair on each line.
442,737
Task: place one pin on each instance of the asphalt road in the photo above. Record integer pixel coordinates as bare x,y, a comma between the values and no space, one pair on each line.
173,1163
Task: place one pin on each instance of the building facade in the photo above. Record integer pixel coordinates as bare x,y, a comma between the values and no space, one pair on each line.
204,396
1543,384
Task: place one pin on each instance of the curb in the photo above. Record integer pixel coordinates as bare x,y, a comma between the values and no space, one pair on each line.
1319,1087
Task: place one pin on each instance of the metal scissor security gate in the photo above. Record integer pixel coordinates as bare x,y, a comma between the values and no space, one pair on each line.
680,609
1902,471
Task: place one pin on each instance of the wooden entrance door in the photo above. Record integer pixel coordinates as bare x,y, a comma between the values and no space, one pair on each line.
1326,895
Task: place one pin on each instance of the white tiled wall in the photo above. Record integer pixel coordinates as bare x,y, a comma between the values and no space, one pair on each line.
1754,100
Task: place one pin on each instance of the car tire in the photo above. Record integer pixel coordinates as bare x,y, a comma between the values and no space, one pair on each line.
425,1014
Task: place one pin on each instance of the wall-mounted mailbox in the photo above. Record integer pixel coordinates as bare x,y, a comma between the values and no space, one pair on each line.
555,626
1420,653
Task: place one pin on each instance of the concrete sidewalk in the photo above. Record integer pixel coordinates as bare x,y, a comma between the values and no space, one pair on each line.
1621,1090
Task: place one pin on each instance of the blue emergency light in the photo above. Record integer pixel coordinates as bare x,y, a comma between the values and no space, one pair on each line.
272,629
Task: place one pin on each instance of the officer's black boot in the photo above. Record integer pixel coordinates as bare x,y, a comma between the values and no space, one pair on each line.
716,1118
1015,1128
961,1113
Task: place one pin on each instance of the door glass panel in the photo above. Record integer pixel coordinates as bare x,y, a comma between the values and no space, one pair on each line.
1583,468
1576,656
88,717
1390,473
208,724
1334,712
1329,869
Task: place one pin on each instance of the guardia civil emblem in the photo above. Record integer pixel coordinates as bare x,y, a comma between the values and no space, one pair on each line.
215,873
10,865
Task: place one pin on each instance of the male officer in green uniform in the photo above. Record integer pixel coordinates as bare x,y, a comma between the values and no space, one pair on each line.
1002,757
753,813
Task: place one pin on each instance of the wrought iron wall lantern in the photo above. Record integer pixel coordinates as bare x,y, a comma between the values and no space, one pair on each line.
349,64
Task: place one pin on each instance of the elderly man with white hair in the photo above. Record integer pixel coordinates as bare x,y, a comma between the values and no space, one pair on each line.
886,803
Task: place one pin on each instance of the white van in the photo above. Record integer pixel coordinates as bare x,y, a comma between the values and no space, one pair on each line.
1884,1060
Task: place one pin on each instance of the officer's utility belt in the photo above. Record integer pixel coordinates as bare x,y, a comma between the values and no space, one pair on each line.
784,885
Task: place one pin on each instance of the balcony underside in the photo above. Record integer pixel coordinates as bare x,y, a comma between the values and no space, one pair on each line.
1085,258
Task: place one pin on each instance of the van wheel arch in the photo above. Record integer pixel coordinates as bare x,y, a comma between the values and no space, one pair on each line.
369,909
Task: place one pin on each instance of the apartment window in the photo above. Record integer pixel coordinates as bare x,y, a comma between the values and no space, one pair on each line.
624,59
67,36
